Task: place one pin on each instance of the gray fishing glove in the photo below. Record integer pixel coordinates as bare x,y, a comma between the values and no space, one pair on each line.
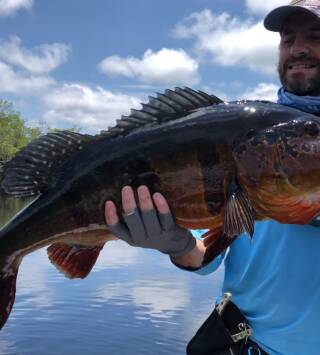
154,231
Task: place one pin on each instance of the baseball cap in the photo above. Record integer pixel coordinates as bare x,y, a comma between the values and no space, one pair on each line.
274,20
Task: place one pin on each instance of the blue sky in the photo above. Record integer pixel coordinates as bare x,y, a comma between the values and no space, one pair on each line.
86,62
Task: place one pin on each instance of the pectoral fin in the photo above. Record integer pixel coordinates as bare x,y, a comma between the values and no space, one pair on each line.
75,261
239,214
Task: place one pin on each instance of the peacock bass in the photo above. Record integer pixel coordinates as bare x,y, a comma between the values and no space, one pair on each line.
221,166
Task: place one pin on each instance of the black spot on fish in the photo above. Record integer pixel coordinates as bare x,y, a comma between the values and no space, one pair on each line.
210,161
250,133
150,179
311,128
255,141
240,150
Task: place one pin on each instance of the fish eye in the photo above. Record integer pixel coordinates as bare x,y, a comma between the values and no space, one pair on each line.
311,128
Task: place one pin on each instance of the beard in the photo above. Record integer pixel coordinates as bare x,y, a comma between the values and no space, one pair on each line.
298,84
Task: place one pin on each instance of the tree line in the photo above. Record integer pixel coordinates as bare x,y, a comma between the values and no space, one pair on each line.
15,134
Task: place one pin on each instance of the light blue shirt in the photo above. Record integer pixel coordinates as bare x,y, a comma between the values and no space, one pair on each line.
275,281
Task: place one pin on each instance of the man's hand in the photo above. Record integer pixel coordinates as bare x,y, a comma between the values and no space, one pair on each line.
146,226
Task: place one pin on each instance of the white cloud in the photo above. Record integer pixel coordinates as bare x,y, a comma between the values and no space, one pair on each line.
10,7
263,91
25,72
40,60
13,82
262,7
231,42
166,67
92,109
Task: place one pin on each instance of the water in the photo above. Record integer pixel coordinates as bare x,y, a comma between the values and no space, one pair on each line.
134,302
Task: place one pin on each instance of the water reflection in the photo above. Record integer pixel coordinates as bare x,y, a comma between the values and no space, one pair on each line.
117,254
9,206
134,302
33,284
152,297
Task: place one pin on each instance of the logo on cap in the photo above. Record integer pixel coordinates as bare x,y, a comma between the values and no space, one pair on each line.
305,2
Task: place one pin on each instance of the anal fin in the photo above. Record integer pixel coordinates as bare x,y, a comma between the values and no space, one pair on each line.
239,214
75,261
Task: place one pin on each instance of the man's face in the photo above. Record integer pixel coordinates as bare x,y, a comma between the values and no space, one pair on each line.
299,61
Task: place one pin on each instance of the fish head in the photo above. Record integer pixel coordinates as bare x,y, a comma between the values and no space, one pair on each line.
279,168
298,148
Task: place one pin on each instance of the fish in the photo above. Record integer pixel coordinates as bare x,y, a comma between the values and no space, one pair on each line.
221,165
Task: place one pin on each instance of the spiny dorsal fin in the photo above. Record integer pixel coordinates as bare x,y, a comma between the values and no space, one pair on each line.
27,174
170,105
239,214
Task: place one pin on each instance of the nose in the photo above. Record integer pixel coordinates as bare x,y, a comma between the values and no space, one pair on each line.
299,48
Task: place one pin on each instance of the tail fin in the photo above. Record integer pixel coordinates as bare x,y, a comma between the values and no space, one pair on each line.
7,296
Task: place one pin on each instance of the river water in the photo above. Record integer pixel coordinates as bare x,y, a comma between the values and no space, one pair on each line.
134,302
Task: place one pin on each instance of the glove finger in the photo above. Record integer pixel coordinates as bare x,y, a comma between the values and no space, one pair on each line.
151,223
166,221
136,228
121,231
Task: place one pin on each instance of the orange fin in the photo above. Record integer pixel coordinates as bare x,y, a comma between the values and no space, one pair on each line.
215,243
75,261
239,214
7,296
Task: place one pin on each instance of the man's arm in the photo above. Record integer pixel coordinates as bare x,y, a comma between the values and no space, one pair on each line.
193,259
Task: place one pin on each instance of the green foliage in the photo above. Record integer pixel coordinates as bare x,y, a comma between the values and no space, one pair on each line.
14,134
76,129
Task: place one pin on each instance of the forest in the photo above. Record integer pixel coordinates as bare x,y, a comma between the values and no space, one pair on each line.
14,133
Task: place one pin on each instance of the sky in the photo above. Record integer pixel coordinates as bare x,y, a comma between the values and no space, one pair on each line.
84,63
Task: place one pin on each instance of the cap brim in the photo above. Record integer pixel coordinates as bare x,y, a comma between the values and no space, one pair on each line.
275,19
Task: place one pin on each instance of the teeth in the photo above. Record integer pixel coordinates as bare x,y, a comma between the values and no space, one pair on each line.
299,66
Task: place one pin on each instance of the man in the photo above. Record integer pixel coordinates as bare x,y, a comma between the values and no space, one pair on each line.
274,278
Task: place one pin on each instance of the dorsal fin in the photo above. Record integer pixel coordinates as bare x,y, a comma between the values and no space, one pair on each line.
170,105
27,173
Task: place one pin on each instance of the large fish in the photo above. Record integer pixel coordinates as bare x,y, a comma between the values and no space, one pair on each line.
221,166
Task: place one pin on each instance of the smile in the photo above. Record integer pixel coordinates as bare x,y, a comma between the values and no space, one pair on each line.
300,66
